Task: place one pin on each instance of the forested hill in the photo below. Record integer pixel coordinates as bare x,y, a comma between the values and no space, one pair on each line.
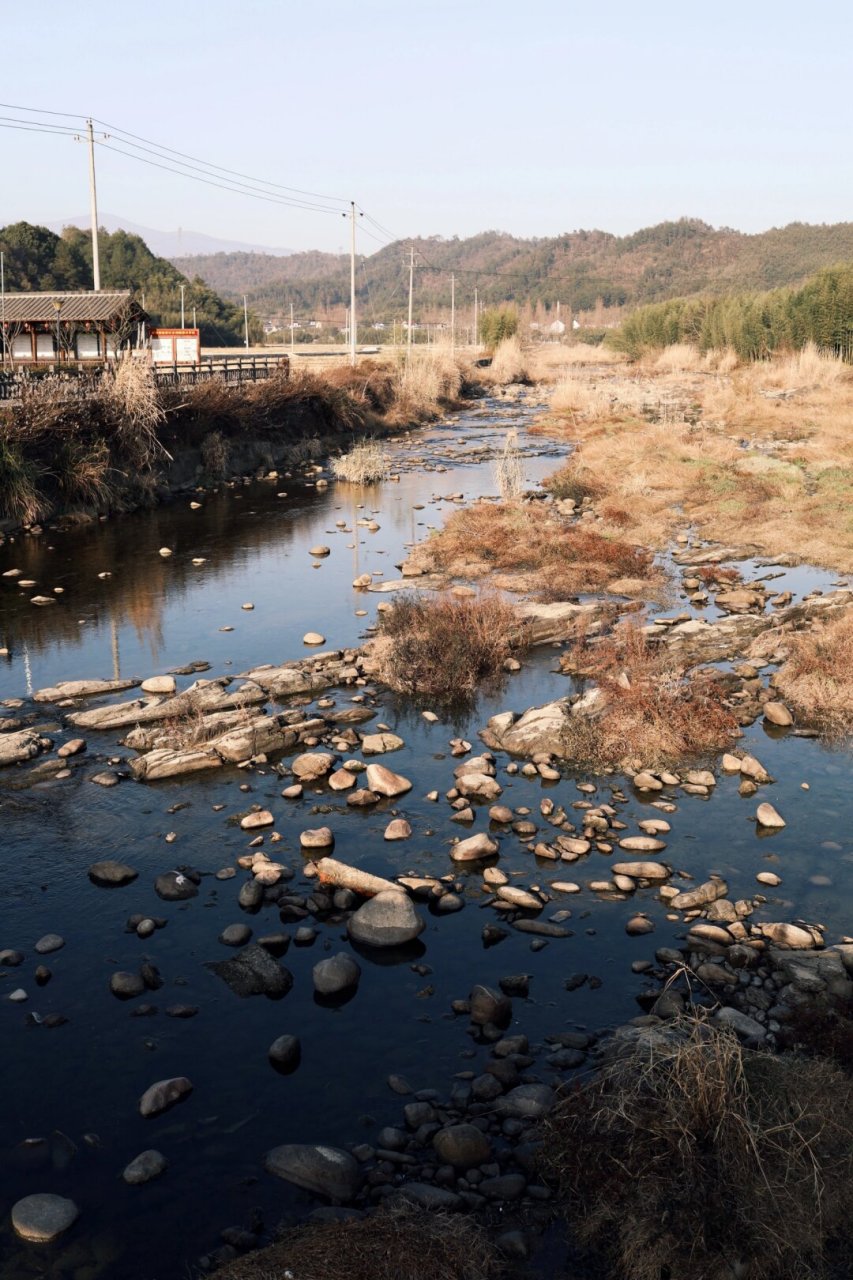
669,260
38,259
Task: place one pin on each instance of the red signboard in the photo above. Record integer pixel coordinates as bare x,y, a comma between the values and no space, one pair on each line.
175,346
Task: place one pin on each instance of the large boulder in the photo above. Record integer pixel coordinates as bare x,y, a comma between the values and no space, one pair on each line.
16,747
387,920
42,1217
540,729
327,1171
254,972
462,1145
385,782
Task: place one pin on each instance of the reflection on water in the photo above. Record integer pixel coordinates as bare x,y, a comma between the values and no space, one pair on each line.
76,1086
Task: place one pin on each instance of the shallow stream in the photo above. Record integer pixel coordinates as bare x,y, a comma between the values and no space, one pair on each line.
77,1085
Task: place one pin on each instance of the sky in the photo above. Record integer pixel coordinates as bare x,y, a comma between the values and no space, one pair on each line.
444,117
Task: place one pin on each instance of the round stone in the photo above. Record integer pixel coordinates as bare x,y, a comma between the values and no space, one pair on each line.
147,1165
313,637
42,1217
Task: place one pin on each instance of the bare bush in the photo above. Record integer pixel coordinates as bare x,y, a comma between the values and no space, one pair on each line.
509,469
132,401
364,464
692,1157
508,362
215,454
430,378
445,647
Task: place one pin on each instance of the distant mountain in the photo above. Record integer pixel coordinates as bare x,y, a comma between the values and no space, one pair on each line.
168,244
36,259
577,269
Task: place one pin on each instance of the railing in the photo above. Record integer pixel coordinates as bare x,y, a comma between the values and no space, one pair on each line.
80,381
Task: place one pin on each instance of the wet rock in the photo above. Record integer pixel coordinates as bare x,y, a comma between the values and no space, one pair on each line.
791,936
638,925
174,886
641,870
526,1101
10,958
285,1053
701,896
363,798
384,782
488,1006
508,1186
71,748
539,729
777,713
337,974
641,844
429,1197
254,972
146,1166
313,638
646,781
327,1171
398,829
82,689
766,816
253,821
478,786
235,935
106,778
16,747
317,838
311,766
126,986
745,1028
164,685
375,744
387,920
43,1217
50,942
474,847
523,898
163,1095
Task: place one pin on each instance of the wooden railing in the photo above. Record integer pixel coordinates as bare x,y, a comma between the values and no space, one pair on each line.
80,381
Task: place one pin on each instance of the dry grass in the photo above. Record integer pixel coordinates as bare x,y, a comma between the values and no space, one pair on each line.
561,559
817,677
547,361
364,464
509,469
395,1243
653,712
681,357
691,1157
445,647
431,379
508,362
769,461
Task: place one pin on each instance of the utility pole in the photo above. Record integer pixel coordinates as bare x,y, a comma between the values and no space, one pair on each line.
93,205
182,287
476,319
246,320
3,301
352,330
195,326
411,296
452,313
291,328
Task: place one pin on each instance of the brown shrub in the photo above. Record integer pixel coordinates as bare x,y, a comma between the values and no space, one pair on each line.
517,537
818,675
691,1157
654,712
445,647
571,481
395,1243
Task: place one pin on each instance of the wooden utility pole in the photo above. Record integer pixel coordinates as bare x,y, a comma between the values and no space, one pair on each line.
476,320
291,328
352,330
452,313
411,297
93,209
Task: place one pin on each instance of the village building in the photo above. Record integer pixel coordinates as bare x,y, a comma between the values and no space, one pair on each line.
50,328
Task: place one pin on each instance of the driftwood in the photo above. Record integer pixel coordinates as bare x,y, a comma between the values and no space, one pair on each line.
330,871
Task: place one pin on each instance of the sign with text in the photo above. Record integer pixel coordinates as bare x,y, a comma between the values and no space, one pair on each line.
175,346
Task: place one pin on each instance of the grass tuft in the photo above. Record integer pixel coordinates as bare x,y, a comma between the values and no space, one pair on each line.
817,677
364,464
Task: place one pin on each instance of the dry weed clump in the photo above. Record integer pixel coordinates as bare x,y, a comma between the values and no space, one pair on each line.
365,463
509,469
651,710
561,559
445,647
547,361
680,357
428,380
691,1157
508,362
817,677
394,1243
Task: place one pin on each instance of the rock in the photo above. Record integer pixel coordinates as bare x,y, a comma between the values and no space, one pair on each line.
338,973
340,780
159,1097
43,1217
82,689
489,1006
235,935
362,798
385,783
526,1102
312,765
638,925
71,748
313,637
790,936
398,829
769,878
106,778
254,972
641,844
474,847
777,713
647,782
260,818
427,1196
174,886
508,1186
387,920
641,870
50,942
744,1027
164,685
523,898
16,747
285,1053
317,838
147,1165
375,744
126,986
701,896
478,786
320,552
327,1171
767,817
753,769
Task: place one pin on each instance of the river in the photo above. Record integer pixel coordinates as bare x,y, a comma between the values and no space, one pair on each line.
125,610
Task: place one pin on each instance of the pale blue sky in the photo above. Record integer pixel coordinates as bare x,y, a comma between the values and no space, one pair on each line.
533,117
